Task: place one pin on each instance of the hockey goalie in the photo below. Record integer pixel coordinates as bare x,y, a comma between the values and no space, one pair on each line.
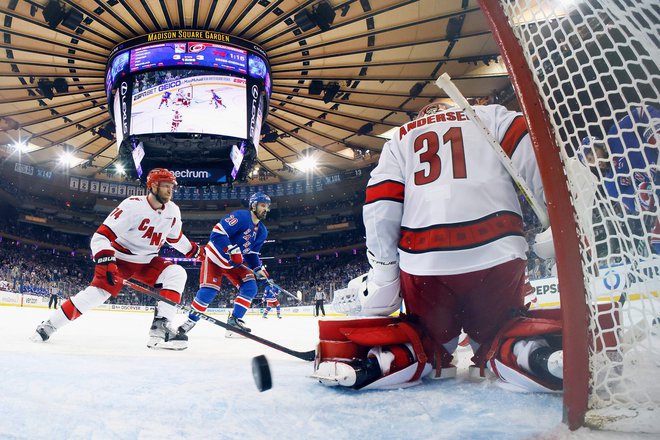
444,233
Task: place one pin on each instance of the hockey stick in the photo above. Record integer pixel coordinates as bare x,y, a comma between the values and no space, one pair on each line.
444,82
304,355
272,283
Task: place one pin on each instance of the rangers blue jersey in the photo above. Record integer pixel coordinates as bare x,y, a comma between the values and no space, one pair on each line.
271,292
632,142
238,229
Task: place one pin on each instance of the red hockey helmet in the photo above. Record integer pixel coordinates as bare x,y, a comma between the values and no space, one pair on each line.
158,175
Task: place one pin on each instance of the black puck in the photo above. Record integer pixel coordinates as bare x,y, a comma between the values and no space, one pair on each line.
261,373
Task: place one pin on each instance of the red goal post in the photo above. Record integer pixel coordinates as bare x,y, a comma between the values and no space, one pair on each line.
535,37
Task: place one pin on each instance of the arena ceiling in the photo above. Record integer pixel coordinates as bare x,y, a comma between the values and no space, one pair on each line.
378,62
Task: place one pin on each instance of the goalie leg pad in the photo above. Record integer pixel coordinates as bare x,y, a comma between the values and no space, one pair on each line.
382,352
511,355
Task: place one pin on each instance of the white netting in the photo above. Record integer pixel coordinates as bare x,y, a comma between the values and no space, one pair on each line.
595,66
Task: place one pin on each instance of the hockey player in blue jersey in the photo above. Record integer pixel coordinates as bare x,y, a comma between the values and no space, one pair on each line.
270,296
627,165
165,99
217,100
233,252
633,147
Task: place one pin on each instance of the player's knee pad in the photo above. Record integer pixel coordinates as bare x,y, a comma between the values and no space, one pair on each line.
370,353
248,290
513,356
172,281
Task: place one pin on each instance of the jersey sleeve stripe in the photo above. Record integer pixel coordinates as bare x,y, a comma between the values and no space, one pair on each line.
386,190
216,257
219,229
121,248
458,236
107,233
514,134
176,240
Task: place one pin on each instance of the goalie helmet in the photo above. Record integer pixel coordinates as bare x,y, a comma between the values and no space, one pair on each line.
158,175
432,108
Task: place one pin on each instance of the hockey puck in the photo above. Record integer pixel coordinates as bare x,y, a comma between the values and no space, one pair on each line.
261,373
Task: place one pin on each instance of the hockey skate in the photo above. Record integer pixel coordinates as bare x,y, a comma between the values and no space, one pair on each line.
239,323
185,327
43,332
162,337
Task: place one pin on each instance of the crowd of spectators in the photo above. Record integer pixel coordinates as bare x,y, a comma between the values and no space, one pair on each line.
34,257
30,268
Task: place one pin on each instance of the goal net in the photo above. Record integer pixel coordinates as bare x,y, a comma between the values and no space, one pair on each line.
588,69
184,96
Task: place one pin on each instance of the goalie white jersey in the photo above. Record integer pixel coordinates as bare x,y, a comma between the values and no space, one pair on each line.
440,201
135,231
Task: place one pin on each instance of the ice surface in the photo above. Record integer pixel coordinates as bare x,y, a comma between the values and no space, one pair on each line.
96,379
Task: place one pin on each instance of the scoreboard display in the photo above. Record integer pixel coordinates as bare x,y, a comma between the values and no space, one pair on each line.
198,54
166,88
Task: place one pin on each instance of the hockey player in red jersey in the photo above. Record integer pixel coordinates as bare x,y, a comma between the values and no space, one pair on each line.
176,120
444,231
125,247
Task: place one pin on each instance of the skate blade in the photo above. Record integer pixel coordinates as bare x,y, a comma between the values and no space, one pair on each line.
36,337
232,335
160,344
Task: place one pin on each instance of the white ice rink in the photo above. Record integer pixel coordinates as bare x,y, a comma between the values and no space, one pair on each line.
96,379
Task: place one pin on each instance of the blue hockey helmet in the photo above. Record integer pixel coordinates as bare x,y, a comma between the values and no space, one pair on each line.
587,146
258,198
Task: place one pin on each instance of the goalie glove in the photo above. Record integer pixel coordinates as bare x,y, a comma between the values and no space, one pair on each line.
543,244
383,271
235,255
365,297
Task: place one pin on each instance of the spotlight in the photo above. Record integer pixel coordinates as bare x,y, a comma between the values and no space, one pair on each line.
331,91
365,129
60,85
53,13
315,87
45,87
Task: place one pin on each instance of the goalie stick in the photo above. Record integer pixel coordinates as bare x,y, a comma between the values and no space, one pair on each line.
444,82
304,355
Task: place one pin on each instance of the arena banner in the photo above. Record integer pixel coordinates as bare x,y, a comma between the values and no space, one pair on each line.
28,300
9,298
614,281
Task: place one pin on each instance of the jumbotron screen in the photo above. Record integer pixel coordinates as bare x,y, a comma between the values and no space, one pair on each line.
177,85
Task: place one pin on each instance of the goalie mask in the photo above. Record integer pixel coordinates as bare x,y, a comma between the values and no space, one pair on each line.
432,108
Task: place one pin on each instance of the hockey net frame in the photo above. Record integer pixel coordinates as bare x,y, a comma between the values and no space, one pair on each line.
547,47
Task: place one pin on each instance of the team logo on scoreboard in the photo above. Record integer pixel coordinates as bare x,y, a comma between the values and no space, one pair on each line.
179,47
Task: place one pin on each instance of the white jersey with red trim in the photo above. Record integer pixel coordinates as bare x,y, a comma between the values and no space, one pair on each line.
441,203
136,231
